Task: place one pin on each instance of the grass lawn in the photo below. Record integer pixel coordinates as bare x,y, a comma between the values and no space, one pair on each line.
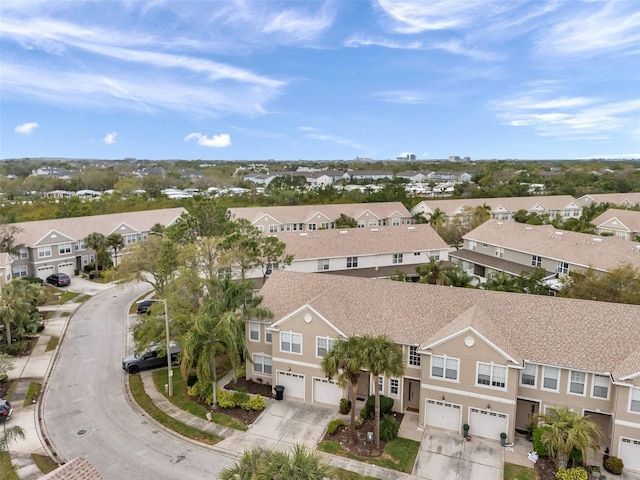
516,472
52,343
32,394
58,296
181,400
44,463
6,469
399,454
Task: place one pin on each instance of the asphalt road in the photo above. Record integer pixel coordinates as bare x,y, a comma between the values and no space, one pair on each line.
87,413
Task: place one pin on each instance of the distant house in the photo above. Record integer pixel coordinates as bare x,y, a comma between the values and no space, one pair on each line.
626,200
370,175
621,223
54,172
59,194
260,178
413,176
150,171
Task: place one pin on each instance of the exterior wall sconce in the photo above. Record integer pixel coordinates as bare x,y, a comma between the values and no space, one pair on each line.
443,398
488,406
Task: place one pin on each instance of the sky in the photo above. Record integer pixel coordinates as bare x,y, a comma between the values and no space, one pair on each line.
313,80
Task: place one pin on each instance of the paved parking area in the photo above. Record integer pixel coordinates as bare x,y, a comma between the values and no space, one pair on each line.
448,456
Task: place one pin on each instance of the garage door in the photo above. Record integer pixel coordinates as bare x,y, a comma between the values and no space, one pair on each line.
44,272
293,385
326,391
443,415
67,268
629,452
488,424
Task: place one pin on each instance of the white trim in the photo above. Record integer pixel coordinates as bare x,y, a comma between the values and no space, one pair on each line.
624,423
256,324
492,366
535,379
291,334
275,325
593,386
444,369
329,348
454,391
542,387
397,395
584,384
296,362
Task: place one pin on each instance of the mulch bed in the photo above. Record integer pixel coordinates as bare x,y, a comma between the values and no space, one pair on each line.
243,385
362,448
545,469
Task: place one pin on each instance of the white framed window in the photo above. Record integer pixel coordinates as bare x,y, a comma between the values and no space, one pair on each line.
435,255
85,260
323,345
20,272
273,228
444,367
131,238
491,375
312,226
562,267
80,245
414,356
550,376
536,261
577,382
260,228
323,264
64,248
254,331
352,262
268,335
395,222
601,386
290,342
528,375
397,258
44,252
24,253
634,400
394,387
262,364
473,245
499,252
381,384
325,226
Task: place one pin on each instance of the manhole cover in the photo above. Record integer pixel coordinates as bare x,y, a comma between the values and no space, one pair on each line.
81,432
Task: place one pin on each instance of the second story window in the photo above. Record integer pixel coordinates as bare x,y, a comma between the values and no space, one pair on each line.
536,261
290,342
414,356
550,377
24,253
562,267
492,375
64,248
397,258
352,262
577,382
444,367
323,345
254,331
601,384
323,264
528,375
44,252
634,403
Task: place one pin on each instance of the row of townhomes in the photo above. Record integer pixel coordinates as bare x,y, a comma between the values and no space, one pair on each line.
492,360
52,246
621,223
497,246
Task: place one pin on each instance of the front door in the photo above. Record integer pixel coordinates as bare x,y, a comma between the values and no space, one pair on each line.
412,395
363,386
526,411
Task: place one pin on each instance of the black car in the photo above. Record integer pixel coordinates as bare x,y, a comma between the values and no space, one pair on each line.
144,306
5,411
152,357
59,279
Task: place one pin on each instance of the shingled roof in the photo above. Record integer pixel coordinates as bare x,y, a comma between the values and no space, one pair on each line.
580,334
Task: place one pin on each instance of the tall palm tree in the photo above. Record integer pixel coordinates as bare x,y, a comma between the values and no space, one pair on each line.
437,218
345,361
432,272
18,306
568,431
381,357
115,241
9,435
98,243
503,282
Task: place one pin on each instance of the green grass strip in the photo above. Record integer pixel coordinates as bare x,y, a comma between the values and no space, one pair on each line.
52,343
44,463
6,469
32,394
516,472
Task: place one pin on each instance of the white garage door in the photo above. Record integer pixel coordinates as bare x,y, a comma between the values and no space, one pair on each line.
326,391
443,415
67,268
488,424
629,452
293,385
44,272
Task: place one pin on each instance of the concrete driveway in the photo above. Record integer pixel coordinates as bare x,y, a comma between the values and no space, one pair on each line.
448,456
282,425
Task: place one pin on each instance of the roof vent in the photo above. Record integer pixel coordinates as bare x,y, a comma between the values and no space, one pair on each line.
597,239
304,234
412,229
374,229
343,232
528,228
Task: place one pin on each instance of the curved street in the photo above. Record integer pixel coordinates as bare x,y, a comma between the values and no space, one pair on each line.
86,410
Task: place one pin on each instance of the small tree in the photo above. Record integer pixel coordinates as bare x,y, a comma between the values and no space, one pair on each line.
98,243
116,243
345,221
9,435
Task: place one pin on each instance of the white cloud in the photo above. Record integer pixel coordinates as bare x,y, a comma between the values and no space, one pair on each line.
408,97
26,128
218,141
298,25
110,138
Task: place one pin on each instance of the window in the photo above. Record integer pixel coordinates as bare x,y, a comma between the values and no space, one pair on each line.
634,406
563,267
499,252
44,252
323,345
324,226
323,264
261,364
394,387
129,239
352,262
491,375
80,245
536,261
20,272
528,375
435,255
273,228
473,245
254,331
260,228
601,386
373,223
381,384
64,248
397,258
414,356
550,378
444,367
577,382
395,222
271,267
85,260
268,335
312,226
290,342
24,253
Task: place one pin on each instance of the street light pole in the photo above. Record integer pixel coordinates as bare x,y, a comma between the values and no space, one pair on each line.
166,328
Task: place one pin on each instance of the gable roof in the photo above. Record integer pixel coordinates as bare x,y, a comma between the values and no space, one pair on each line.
511,204
628,220
628,199
549,330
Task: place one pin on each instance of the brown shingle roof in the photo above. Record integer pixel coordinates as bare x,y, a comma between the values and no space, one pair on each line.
512,204
587,335
628,218
632,198
77,469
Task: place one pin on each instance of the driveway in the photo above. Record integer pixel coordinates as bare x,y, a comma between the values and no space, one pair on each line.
282,425
448,456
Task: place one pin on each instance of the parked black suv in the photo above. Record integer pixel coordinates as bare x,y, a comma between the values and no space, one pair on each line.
5,410
144,306
151,358
59,279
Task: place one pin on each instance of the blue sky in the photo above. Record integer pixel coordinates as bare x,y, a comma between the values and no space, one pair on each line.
320,80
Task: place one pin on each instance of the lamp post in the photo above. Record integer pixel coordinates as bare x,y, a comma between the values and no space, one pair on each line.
166,328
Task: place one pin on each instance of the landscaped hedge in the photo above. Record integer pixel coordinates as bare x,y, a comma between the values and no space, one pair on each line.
614,465
386,406
572,474
334,426
538,446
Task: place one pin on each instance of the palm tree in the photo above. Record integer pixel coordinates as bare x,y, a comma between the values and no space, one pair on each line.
18,306
98,243
503,282
345,361
9,435
568,431
381,357
115,242
432,272
455,276
437,218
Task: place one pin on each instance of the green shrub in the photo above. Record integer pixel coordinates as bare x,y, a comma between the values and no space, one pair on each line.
613,465
240,398
225,399
538,446
389,427
386,406
254,403
334,426
241,372
200,390
359,421
572,474
576,457
345,406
